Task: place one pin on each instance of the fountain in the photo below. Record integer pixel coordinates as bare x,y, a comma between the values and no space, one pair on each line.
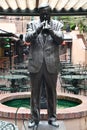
73,116
25,102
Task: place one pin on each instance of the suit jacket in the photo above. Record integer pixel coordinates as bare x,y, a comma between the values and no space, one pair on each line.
47,51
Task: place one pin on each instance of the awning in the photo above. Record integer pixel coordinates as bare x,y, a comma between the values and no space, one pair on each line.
8,27
4,31
30,7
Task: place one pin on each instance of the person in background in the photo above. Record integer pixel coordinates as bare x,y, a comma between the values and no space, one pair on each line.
19,49
45,36
68,28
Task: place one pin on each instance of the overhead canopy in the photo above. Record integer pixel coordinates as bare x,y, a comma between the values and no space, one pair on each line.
30,7
8,27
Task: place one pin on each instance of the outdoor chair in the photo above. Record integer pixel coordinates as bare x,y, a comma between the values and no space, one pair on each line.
64,84
73,89
6,89
24,85
83,86
70,85
23,88
7,126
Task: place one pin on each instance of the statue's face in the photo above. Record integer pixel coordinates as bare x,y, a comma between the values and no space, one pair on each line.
45,14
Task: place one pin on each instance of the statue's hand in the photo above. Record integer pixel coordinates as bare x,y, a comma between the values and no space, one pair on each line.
49,29
40,27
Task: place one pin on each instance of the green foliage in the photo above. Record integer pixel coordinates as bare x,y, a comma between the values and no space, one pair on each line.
72,26
73,21
81,26
85,28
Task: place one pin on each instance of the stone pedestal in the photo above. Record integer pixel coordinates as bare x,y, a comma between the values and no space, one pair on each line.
43,125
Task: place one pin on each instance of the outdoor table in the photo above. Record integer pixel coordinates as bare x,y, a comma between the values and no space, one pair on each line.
69,66
75,71
77,77
13,78
71,70
20,71
21,66
75,80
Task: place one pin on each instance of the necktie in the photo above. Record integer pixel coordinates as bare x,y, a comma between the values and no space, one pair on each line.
44,37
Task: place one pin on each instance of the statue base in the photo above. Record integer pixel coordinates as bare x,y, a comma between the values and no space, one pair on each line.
43,125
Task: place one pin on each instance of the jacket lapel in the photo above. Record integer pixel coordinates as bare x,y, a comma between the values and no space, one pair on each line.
41,41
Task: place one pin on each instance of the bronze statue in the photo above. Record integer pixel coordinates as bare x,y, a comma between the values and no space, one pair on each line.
45,36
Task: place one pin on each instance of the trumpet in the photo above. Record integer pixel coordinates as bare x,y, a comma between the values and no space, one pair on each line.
45,24
45,27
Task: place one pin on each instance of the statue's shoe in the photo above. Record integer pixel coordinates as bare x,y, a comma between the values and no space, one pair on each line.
53,122
32,123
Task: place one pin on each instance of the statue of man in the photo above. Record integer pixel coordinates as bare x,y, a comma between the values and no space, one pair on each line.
45,36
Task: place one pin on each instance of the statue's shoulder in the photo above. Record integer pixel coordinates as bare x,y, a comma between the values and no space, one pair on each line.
57,23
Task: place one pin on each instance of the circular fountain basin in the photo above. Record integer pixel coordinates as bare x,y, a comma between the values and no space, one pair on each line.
25,102
72,112
65,113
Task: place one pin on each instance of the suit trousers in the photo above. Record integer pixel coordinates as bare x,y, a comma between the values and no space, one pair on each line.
50,80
